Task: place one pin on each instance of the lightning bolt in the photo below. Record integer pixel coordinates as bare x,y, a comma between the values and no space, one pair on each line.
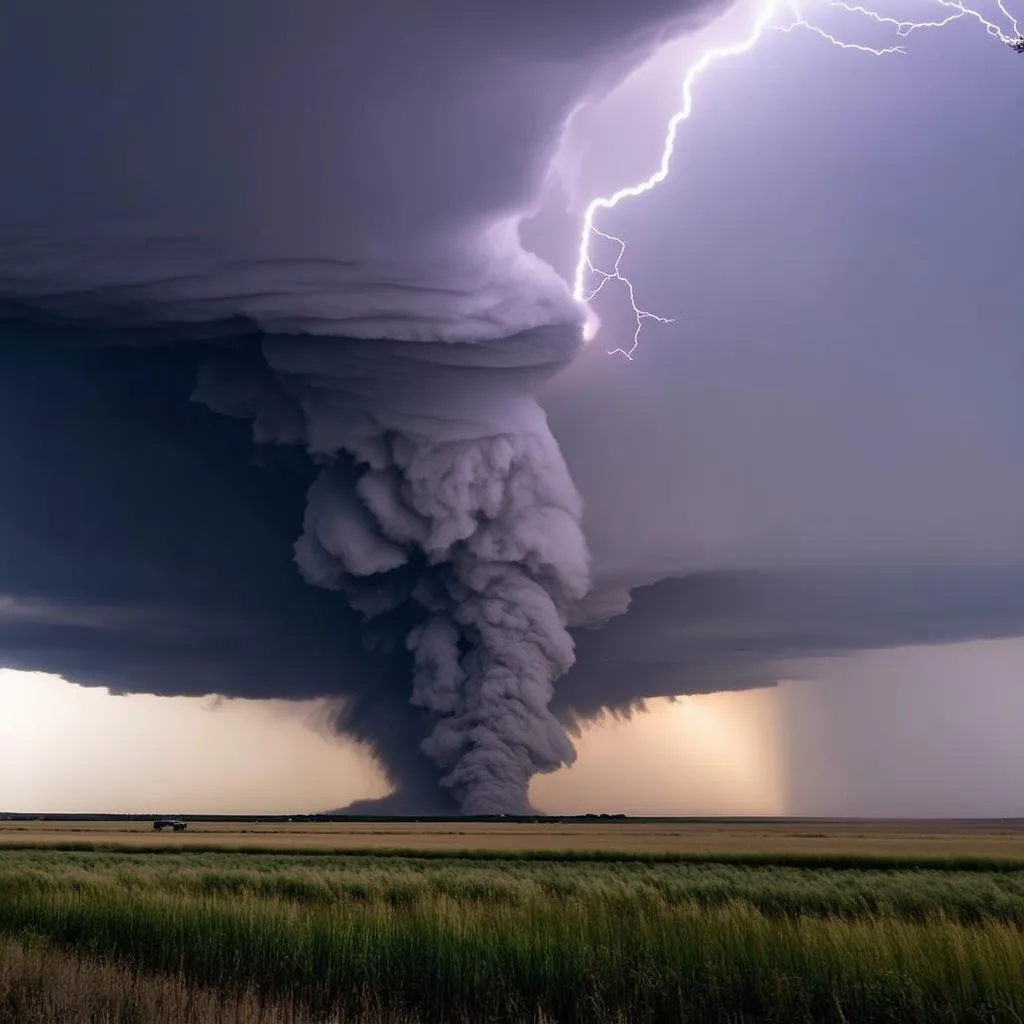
590,279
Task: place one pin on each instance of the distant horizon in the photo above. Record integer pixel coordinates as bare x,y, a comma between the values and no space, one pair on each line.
328,816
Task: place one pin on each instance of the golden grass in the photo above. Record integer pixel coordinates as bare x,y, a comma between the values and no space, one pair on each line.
1002,840
42,985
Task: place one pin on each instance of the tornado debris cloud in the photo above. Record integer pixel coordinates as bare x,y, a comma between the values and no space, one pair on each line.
443,507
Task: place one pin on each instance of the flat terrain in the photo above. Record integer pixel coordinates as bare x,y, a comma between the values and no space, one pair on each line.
526,923
1002,839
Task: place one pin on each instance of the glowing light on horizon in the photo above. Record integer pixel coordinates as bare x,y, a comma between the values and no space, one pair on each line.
590,279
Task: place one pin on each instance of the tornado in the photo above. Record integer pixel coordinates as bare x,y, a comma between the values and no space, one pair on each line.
443,513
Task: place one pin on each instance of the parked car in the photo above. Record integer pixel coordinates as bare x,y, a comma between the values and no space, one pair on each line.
164,823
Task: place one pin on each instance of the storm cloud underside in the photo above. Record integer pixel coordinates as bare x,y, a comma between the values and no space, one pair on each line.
282,315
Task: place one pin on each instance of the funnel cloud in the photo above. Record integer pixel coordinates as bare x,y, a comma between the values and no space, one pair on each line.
450,515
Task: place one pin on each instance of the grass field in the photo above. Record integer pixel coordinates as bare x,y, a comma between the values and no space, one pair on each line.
833,932
908,839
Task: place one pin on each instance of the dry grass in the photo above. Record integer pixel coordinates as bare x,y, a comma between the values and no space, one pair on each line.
1003,840
42,985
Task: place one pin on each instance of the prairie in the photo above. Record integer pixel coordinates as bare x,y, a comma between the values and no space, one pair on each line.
752,934
908,839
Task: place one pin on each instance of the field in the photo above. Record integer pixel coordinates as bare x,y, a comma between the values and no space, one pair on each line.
661,921
896,839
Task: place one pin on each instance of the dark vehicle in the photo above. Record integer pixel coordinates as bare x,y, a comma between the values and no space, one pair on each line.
164,823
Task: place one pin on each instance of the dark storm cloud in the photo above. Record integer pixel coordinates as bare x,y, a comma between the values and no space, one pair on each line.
127,517
734,629
243,200
328,167
147,548
345,172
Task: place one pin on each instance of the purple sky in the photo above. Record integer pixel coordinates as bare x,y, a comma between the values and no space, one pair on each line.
838,244
838,393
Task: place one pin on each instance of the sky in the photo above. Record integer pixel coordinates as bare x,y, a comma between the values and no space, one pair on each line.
836,396
65,750
800,748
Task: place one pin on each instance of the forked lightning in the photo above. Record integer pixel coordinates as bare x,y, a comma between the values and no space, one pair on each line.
776,15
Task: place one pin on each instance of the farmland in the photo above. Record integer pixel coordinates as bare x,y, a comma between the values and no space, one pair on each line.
895,839
492,921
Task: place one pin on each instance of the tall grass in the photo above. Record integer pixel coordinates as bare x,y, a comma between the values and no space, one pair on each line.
43,985
529,940
965,897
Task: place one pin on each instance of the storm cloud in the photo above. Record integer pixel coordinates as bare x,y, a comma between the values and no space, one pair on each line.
149,548
318,175
269,377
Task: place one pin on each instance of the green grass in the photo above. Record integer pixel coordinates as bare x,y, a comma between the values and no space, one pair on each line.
523,939
918,894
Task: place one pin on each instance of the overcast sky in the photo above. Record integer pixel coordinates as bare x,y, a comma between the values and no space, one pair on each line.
837,244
